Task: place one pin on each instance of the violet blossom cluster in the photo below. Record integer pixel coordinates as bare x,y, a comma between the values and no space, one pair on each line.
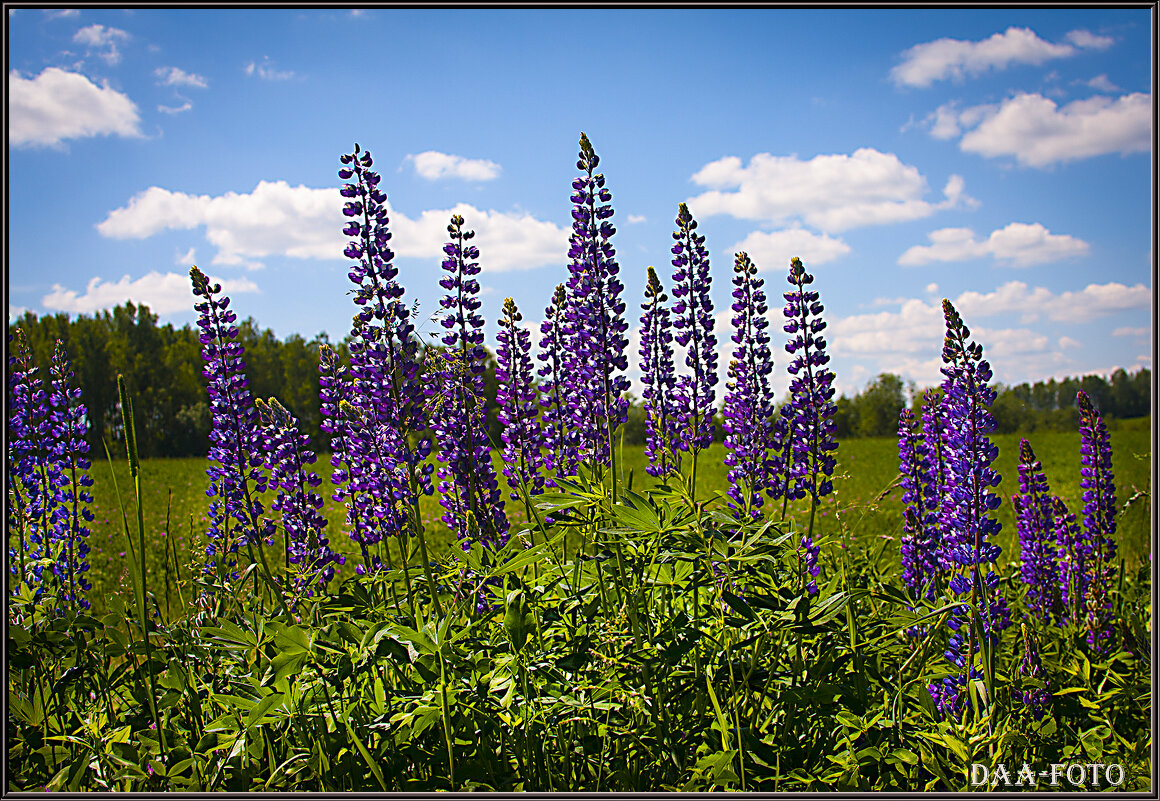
1099,522
594,323
560,453
693,321
1034,514
661,411
748,409
388,406
1035,699
920,533
235,453
965,513
518,405
469,490
47,477
287,457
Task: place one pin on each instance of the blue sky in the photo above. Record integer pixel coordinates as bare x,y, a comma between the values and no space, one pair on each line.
1000,158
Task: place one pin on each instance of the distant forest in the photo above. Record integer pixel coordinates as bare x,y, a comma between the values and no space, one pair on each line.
162,367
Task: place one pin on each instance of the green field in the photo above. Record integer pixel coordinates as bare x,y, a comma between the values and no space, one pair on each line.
864,507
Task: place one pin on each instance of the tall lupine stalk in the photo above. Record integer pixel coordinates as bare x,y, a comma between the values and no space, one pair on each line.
518,403
656,366
965,513
469,490
693,321
388,407
934,437
70,427
287,457
560,455
920,538
1099,520
748,409
33,470
594,325
810,410
235,452
1034,515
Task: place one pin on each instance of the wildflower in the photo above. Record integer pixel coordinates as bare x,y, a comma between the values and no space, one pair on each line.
559,438
693,321
1099,519
1033,511
518,405
594,323
1035,699
469,490
748,405
656,353
920,541
287,457
235,453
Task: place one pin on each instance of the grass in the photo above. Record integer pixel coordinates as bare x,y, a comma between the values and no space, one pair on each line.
864,507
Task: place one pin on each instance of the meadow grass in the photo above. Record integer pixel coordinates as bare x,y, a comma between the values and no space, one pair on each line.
864,507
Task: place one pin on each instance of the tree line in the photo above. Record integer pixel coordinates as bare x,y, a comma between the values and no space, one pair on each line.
162,367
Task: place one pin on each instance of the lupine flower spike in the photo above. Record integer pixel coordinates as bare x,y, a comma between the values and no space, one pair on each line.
1099,521
517,399
920,540
693,322
594,325
748,405
1034,513
1035,699
235,453
656,354
967,504
560,453
470,491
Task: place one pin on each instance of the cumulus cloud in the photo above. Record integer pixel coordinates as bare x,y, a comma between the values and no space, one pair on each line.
1039,133
186,106
266,71
829,192
771,251
58,105
1102,84
62,13
15,311
1089,40
166,293
174,76
637,218
306,223
956,59
434,165
1017,245
102,40
1130,331
1082,306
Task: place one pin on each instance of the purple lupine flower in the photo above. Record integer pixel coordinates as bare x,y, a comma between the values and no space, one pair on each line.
920,541
387,408
1074,552
469,489
287,458
1035,699
693,321
748,409
656,353
559,438
933,437
235,452
810,407
594,325
967,503
70,427
518,406
34,472
1033,514
1099,520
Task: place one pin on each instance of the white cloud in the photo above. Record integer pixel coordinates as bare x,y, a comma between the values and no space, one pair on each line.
1102,84
163,293
434,165
1017,245
186,106
772,251
57,105
266,71
1129,331
1085,305
1038,133
1066,343
931,289
829,192
306,223
173,76
100,38
1090,41
62,13
186,259
955,59
637,218
15,311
